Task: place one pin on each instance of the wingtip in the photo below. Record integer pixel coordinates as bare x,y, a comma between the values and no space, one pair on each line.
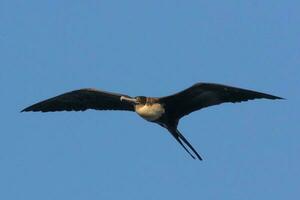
24,110
29,109
278,98
274,97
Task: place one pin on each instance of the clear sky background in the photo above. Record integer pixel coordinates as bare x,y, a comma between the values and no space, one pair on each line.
155,48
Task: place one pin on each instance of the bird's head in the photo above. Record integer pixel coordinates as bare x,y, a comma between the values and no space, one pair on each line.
139,100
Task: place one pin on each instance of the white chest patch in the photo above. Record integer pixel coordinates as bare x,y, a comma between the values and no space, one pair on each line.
150,112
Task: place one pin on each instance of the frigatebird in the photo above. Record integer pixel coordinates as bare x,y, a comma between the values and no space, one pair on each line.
165,111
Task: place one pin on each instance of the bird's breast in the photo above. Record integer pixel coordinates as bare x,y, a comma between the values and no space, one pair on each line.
150,112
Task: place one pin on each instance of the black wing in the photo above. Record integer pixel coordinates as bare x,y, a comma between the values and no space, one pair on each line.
202,95
83,99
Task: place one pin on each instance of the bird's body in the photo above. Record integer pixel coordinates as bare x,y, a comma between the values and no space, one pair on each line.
165,111
150,111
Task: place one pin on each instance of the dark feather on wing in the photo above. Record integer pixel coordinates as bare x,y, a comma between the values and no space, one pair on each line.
202,95
83,99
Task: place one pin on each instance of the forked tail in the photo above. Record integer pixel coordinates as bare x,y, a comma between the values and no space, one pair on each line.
180,138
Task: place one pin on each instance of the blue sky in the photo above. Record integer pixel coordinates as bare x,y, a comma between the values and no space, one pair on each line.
250,150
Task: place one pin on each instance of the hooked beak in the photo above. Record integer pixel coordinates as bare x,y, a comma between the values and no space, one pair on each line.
130,100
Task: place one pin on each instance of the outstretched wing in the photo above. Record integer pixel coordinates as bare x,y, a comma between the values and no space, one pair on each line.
83,99
202,95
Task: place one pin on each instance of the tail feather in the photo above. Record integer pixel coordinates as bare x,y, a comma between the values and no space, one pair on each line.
180,138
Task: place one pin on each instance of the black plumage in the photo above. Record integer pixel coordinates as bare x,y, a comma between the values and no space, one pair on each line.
81,100
166,111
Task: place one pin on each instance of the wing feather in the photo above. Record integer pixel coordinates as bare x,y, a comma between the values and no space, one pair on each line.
83,99
203,95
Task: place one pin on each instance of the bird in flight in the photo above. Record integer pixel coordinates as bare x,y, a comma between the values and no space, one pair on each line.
165,111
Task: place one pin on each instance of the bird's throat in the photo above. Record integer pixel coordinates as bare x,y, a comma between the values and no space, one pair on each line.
150,112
